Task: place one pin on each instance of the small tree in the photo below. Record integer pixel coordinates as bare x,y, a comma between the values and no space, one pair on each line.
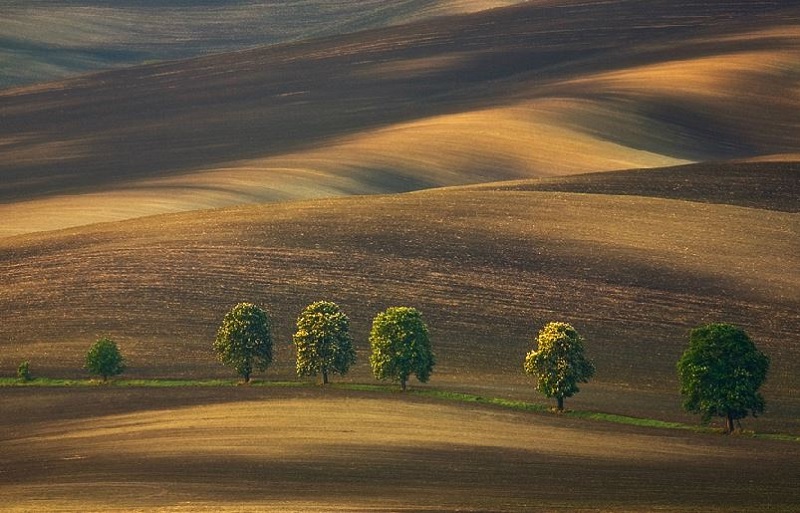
104,359
559,363
323,341
244,340
24,371
720,374
400,346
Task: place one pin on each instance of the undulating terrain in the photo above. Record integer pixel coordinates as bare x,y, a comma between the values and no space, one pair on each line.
537,89
299,450
631,167
47,40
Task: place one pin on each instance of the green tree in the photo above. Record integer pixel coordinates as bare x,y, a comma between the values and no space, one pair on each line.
104,359
244,340
559,363
720,374
24,371
400,346
323,341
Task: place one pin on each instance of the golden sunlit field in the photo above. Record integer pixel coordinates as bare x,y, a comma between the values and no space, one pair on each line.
630,167
272,449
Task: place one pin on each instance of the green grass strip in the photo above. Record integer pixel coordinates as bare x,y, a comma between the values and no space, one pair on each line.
631,421
45,382
444,395
472,398
781,437
144,383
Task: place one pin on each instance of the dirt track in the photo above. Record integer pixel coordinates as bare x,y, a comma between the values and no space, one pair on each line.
323,450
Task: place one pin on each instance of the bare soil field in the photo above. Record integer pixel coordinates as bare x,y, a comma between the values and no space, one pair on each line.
487,268
761,185
531,90
45,40
626,166
271,449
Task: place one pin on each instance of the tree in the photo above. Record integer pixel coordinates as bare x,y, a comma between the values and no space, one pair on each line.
104,359
244,340
400,346
323,341
720,374
559,363
24,371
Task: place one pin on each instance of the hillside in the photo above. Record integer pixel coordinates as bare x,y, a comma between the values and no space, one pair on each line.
629,166
45,40
255,449
487,268
762,185
531,90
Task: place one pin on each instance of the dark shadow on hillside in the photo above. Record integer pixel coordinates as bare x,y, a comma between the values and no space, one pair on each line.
115,127
441,477
765,185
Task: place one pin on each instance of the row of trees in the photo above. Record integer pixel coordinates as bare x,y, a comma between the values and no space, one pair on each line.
398,339
720,373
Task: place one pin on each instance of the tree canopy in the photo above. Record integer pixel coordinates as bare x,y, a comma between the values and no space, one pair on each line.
244,340
323,341
104,359
720,374
401,346
559,363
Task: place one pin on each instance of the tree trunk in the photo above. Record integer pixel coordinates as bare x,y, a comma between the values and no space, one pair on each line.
403,384
246,377
728,424
324,376
560,403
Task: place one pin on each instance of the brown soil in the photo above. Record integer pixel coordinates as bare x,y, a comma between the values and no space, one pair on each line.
486,268
251,449
540,89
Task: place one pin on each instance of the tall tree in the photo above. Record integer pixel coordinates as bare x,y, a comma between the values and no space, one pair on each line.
401,346
104,359
244,340
559,363
720,374
323,341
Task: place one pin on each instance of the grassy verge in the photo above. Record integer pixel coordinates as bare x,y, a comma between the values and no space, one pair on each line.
143,383
632,421
443,395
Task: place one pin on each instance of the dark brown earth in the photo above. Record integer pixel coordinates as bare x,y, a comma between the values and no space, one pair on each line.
633,259
487,269
108,129
255,449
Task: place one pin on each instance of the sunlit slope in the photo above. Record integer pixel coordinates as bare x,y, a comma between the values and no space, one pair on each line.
528,139
532,90
487,268
45,40
252,449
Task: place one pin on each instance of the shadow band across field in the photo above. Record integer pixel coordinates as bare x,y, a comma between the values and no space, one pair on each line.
486,267
317,449
108,130
450,477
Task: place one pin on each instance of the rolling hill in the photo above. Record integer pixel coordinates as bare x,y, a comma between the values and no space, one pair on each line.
631,167
487,267
45,40
256,449
529,90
